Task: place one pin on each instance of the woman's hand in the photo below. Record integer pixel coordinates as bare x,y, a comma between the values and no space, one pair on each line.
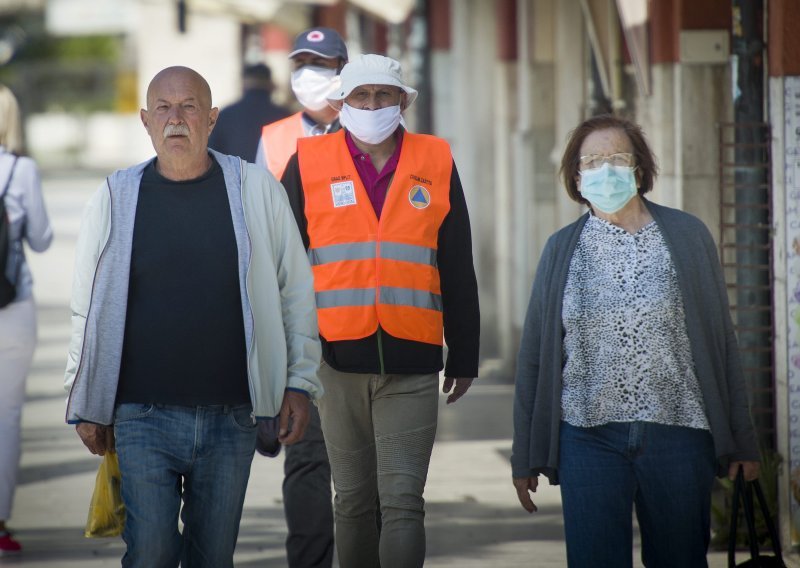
751,470
525,486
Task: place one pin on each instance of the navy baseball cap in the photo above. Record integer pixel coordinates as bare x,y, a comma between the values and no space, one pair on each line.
324,42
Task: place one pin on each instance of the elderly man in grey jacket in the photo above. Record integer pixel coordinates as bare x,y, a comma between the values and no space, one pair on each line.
193,317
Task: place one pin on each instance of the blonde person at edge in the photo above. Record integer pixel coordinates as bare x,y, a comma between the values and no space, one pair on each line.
629,389
27,222
383,215
193,318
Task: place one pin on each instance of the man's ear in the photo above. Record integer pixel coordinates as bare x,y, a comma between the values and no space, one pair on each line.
212,118
403,100
143,118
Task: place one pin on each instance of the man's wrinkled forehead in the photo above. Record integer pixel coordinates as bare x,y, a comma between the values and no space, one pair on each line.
179,83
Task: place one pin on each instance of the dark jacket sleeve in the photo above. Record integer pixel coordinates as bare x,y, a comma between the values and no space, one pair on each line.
528,363
294,189
459,286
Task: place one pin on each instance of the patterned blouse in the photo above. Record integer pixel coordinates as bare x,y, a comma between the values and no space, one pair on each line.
626,350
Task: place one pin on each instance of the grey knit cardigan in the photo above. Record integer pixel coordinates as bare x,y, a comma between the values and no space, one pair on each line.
537,401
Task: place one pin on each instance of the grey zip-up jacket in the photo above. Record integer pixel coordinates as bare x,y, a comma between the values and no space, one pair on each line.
537,402
277,290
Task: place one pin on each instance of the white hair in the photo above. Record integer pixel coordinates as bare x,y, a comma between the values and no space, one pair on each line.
10,123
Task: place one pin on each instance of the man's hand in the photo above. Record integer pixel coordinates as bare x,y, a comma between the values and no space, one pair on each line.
462,386
751,470
525,486
98,438
294,408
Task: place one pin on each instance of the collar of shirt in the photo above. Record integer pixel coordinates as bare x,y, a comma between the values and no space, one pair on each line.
311,128
376,184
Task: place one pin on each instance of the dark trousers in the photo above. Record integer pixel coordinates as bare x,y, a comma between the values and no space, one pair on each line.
307,500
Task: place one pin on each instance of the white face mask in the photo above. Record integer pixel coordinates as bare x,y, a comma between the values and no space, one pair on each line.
370,126
311,85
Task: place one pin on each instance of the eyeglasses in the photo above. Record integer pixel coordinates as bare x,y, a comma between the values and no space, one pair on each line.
591,161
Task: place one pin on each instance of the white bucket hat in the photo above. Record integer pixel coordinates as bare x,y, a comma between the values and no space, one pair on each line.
371,69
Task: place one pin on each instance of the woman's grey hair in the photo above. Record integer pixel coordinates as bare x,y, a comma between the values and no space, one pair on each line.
10,121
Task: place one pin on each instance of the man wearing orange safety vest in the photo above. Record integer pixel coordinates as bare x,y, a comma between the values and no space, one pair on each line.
383,216
317,57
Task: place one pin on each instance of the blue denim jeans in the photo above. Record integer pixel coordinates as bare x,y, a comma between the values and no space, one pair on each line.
665,472
200,455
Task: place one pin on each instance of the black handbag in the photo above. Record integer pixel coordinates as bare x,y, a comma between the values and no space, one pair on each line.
743,492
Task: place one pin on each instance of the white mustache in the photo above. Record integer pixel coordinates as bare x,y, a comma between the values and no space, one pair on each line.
176,130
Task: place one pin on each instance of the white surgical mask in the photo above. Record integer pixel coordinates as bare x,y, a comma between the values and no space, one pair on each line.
312,84
370,126
608,188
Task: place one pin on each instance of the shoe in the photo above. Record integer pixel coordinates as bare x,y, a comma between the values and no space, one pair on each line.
8,545
267,443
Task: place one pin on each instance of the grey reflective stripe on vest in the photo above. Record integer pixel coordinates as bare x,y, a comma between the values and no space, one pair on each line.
408,253
346,297
345,251
389,295
366,250
410,297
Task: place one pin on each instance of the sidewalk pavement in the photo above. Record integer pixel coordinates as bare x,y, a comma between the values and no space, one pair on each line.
473,517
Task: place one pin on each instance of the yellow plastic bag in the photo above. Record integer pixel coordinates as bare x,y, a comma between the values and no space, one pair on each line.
106,511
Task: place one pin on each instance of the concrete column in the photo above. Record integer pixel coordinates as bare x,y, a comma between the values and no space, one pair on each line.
570,91
784,115
704,101
787,374
656,115
474,103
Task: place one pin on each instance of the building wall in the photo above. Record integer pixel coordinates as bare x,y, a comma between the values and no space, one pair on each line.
784,115
523,98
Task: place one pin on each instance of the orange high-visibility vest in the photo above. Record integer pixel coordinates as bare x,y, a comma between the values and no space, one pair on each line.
370,272
279,141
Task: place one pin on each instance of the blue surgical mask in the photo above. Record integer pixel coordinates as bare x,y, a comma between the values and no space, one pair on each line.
608,188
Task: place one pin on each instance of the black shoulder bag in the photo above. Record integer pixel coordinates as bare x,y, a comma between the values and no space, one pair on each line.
8,288
743,492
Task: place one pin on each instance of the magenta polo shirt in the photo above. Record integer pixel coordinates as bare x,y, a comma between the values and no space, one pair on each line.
376,184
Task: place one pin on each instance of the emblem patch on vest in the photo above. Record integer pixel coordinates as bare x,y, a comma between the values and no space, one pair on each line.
419,197
344,193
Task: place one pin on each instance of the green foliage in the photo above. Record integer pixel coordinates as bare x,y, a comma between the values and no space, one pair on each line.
53,73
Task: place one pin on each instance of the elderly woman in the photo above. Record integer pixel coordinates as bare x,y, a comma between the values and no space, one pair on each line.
629,389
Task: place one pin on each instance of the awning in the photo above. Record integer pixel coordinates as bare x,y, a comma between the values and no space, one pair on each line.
394,12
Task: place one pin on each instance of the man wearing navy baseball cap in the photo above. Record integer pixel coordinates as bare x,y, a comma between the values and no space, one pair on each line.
317,58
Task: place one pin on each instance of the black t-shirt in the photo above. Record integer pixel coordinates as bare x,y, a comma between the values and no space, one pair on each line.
184,332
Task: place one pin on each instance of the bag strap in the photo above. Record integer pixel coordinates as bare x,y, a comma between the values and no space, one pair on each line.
773,533
734,523
18,268
738,494
749,516
10,175
743,492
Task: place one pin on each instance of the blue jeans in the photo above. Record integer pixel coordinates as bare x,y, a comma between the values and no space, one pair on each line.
200,455
665,472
